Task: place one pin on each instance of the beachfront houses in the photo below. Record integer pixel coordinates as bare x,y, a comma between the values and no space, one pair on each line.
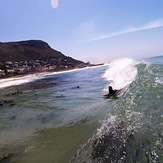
12,68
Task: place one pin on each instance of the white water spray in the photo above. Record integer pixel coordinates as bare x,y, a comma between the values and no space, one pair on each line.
121,73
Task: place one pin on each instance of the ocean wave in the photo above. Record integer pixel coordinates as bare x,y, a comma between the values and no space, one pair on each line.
131,131
159,80
113,140
121,73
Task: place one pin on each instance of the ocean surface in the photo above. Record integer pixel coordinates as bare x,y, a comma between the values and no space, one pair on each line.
64,117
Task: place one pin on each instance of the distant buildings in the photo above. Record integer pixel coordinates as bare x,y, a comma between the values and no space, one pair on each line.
13,68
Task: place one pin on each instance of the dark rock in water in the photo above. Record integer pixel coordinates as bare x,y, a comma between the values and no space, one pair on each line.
6,102
6,158
12,104
16,93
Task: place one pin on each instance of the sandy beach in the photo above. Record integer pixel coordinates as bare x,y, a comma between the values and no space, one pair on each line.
21,79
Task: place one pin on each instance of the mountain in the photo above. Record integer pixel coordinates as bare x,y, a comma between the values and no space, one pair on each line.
31,50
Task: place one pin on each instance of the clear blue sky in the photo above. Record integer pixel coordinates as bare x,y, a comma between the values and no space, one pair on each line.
89,30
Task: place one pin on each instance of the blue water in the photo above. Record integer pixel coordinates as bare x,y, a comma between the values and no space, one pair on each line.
65,117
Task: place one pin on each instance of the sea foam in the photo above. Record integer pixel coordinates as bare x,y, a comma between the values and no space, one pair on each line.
121,73
18,80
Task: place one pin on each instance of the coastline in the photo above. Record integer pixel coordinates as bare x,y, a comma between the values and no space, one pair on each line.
18,80
13,78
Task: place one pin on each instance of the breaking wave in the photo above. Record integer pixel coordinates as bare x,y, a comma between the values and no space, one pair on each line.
131,132
121,73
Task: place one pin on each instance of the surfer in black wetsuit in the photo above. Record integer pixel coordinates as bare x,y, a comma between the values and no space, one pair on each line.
111,92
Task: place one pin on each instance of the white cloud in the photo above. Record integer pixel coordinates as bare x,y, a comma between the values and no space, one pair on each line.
151,25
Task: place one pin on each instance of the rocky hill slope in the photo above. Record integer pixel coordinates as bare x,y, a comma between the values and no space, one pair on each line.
31,50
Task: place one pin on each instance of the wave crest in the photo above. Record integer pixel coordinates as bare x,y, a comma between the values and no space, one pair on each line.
121,72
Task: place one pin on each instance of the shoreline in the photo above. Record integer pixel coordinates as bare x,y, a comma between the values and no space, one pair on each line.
13,78
18,80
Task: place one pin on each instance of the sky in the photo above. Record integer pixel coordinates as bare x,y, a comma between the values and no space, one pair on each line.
98,31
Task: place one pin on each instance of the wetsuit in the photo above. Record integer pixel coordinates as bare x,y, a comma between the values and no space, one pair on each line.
111,91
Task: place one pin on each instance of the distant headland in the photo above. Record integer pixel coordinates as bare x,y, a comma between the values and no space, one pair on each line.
33,56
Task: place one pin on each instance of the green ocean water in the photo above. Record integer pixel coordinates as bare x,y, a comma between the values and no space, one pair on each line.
65,118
